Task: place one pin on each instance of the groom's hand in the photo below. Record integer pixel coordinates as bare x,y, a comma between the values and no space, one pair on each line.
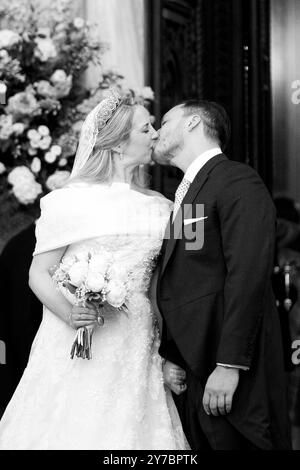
220,388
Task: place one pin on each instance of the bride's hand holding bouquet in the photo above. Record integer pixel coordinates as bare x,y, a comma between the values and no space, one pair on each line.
81,317
94,283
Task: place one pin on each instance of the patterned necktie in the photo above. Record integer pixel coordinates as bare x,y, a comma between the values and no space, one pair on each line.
179,195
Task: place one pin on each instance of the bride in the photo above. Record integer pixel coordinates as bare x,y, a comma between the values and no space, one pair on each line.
116,400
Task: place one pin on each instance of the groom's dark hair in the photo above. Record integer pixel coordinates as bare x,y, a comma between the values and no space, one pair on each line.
215,119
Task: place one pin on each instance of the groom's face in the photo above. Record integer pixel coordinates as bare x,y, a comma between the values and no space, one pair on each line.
170,140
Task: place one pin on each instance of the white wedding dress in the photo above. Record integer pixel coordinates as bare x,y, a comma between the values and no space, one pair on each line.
116,400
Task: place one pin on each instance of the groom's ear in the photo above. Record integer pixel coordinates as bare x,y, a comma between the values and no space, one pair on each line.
193,122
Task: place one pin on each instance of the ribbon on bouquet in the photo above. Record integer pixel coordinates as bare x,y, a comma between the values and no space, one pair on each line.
82,346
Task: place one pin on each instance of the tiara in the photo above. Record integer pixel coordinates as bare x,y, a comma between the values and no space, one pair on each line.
107,107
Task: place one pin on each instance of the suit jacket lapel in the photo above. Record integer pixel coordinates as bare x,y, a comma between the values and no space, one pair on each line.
174,230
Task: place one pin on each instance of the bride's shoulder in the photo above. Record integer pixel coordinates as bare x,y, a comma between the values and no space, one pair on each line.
57,195
162,198
70,191
151,192
74,199
62,199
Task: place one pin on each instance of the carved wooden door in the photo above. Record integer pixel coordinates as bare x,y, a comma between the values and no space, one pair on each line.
217,50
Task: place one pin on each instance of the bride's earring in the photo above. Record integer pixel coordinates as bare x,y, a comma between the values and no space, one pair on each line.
121,156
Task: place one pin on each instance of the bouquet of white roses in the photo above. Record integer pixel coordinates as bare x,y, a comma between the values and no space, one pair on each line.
92,278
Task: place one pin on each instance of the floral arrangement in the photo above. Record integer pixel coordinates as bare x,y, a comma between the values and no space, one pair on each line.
93,279
42,60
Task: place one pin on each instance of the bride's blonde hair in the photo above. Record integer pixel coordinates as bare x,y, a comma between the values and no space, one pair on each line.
99,168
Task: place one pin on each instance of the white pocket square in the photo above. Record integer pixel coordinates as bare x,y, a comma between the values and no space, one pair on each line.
192,221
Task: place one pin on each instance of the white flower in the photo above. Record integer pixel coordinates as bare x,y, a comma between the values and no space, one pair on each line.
23,104
99,263
6,126
67,262
56,149
35,144
63,89
57,180
45,49
78,22
82,256
62,83
45,89
32,151
43,131
78,273
118,272
20,173
58,76
69,144
62,162
36,165
50,157
27,191
45,143
4,55
8,39
60,274
2,168
95,282
18,128
33,134
116,293
147,93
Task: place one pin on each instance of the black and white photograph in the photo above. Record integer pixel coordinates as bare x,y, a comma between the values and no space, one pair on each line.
149,227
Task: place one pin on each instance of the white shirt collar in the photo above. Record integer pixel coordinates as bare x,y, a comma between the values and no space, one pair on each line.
199,162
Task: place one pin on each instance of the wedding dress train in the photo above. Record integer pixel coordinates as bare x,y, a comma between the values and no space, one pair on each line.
116,400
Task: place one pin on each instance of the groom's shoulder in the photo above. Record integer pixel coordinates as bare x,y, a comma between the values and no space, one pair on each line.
237,171
236,179
235,166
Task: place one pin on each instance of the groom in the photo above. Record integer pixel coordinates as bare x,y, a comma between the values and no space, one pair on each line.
220,322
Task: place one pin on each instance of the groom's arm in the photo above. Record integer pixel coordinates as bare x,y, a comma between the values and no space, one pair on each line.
247,220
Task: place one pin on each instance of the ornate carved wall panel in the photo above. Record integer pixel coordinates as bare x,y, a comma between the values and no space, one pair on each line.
175,73
217,50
